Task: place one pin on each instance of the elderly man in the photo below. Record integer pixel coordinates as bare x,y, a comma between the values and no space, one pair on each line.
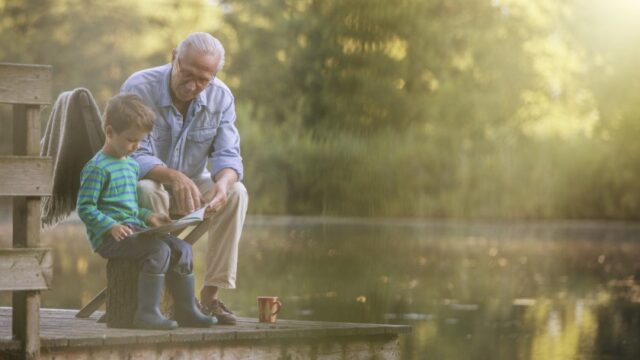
195,125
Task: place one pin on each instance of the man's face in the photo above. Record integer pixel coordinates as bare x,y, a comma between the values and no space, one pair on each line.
191,73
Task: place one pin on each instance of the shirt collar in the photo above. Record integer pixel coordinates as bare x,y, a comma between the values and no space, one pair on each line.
165,93
201,99
165,96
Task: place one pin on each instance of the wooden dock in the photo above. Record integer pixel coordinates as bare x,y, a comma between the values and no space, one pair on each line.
63,336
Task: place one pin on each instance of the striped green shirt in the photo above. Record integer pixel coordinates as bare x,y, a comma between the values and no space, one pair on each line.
108,196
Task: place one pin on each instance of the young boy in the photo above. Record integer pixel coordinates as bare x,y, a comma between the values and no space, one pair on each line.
108,206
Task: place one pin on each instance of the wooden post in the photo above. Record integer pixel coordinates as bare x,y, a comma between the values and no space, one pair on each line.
26,231
25,178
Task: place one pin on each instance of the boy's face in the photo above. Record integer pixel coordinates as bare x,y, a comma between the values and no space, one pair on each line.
124,143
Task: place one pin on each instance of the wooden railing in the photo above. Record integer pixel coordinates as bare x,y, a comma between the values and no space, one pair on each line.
25,269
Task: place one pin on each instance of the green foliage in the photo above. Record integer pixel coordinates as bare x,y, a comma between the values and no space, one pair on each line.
96,44
440,108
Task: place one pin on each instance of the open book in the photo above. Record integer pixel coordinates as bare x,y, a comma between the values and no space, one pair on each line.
191,219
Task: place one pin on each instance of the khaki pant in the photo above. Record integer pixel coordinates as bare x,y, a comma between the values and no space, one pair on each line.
225,228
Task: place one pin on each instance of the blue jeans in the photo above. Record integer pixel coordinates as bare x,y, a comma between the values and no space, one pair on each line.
155,255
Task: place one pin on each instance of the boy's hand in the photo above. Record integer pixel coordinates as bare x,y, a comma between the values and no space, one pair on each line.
119,231
157,219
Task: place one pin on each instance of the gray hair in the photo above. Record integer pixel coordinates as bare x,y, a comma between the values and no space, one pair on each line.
204,43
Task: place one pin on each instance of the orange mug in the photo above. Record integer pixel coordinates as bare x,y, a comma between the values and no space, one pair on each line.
268,307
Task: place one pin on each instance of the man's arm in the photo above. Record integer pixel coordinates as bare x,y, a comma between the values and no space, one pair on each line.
146,158
216,198
226,146
185,191
226,177
226,162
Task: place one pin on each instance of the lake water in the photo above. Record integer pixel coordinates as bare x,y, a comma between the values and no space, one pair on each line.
470,290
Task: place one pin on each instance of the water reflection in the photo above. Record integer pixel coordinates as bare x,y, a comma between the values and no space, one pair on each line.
470,290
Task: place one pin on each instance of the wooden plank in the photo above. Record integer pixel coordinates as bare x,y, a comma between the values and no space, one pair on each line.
187,336
102,319
93,305
25,175
284,333
26,141
251,334
58,325
31,340
54,342
26,221
25,269
154,337
397,329
32,134
25,84
26,129
7,343
196,233
26,233
86,341
119,339
26,321
220,335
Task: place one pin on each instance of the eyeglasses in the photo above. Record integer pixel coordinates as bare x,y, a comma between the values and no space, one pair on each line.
188,75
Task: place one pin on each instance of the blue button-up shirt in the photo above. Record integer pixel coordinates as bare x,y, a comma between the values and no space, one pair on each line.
208,133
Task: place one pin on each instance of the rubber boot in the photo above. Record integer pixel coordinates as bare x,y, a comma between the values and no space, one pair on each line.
186,312
148,314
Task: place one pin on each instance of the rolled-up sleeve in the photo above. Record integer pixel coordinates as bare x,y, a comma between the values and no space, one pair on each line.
226,145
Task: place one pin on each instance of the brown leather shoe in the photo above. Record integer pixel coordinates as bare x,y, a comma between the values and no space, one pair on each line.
218,309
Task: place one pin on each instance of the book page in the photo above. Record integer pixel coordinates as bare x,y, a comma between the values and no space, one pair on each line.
191,219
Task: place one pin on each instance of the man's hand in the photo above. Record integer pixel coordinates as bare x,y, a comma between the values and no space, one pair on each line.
185,193
216,198
119,231
157,219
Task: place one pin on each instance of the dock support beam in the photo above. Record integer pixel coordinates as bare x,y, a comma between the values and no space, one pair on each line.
26,231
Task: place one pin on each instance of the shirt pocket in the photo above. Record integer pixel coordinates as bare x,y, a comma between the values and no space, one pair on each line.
161,133
200,141
198,147
209,120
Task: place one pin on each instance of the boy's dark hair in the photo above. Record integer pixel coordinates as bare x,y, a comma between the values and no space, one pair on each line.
125,111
